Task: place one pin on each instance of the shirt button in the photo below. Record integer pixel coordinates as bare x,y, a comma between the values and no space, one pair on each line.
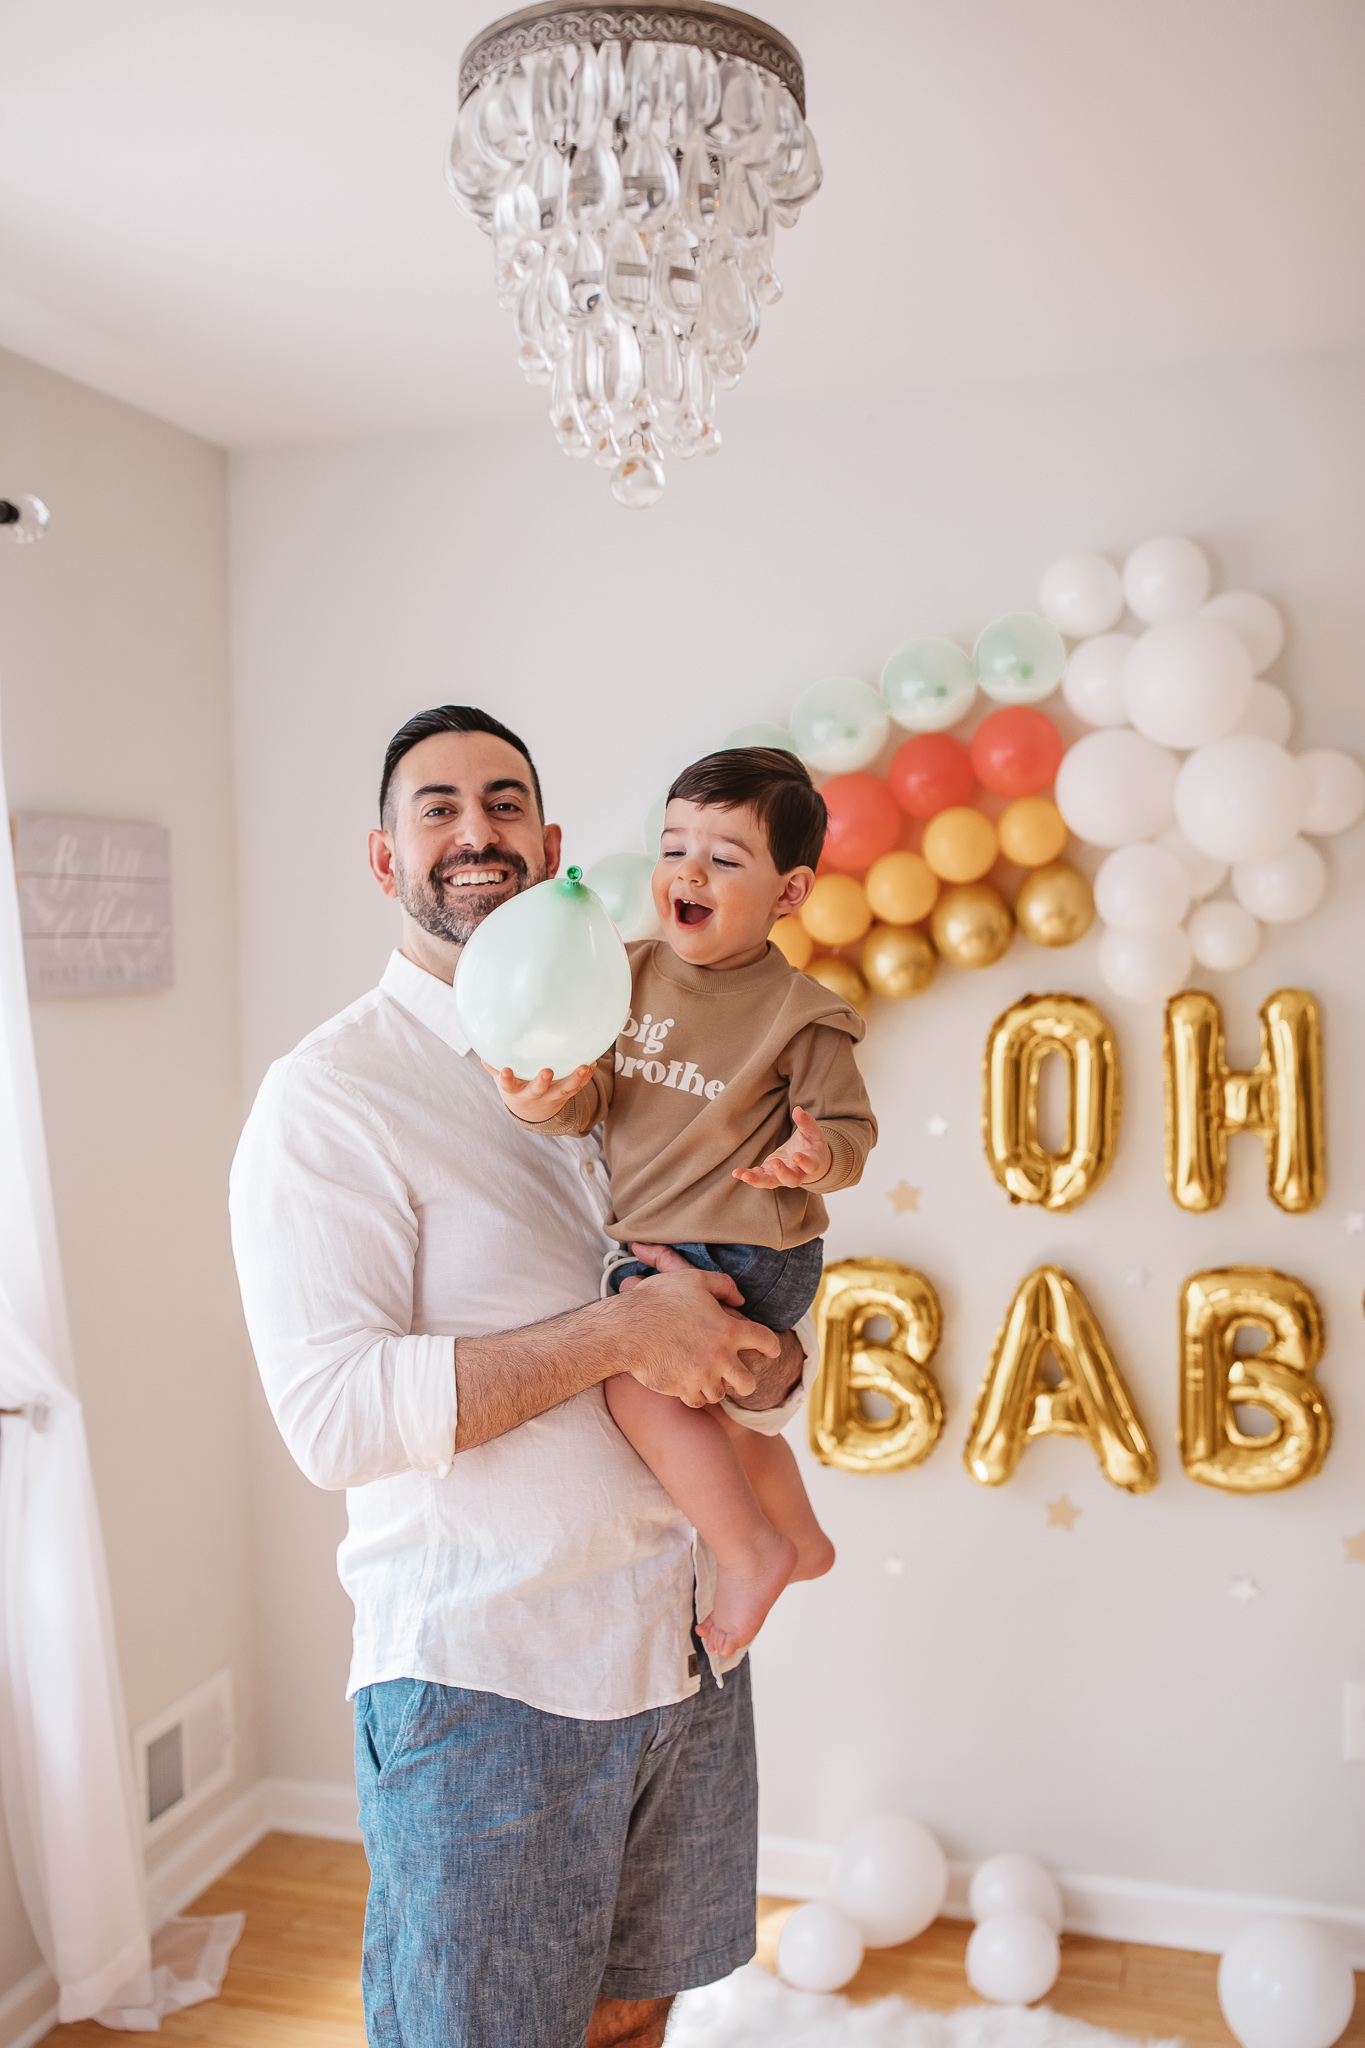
589,1166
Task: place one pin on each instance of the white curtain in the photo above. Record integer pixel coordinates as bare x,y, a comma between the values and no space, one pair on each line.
65,1774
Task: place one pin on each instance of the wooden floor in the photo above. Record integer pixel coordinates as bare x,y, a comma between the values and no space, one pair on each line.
295,1974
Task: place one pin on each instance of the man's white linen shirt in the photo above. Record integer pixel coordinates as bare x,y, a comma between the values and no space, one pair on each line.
383,1204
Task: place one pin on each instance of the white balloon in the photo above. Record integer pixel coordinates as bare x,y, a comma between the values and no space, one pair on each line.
1166,578
819,1948
1145,967
1286,1983
1187,681
1015,1884
891,1877
839,724
1093,682
1013,1958
654,825
1081,594
1282,890
1224,936
624,882
1269,713
1205,875
1242,798
1336,790
1114,787
1254,619
1142,889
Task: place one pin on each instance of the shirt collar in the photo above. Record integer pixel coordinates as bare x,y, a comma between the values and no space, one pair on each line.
426,997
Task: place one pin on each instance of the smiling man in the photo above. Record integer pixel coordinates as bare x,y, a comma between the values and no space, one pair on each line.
557,1794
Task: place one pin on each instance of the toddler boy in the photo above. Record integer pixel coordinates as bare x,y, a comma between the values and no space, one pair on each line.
729,1106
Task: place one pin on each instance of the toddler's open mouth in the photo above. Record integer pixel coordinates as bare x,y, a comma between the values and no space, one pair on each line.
690,913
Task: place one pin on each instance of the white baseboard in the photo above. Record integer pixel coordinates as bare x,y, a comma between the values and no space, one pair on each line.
1117,1908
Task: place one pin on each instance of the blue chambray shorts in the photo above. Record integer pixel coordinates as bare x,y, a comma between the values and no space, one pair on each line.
524,1864
778,1286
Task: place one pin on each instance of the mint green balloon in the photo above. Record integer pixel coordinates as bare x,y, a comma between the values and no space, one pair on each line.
839,724
928,685
759,736
654,825
545,981
624,881
1020,658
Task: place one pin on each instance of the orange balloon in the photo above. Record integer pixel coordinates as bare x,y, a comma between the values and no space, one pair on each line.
792,941
842,979
960,845
901,888
837,911
1031,831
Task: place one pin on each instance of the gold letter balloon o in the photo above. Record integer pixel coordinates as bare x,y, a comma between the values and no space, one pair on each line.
1215,1379
1020,1040
853,1293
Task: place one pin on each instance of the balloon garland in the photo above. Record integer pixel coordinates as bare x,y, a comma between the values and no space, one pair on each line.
1183,781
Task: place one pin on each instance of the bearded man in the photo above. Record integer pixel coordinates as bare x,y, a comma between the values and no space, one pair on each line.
557,1788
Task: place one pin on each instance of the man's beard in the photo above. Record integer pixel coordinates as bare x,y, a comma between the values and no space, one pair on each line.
455,914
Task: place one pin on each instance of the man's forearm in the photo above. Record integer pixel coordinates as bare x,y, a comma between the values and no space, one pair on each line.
502,1381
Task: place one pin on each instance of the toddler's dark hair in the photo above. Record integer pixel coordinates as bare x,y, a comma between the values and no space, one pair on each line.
775,786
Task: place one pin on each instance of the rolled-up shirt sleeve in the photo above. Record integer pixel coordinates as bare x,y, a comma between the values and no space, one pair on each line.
326,1243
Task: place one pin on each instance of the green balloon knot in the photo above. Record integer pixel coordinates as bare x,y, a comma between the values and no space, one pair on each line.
574,875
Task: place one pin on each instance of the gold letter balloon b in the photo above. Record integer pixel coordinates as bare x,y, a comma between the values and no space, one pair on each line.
853,1294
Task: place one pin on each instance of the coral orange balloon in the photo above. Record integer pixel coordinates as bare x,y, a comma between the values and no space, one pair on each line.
1016,751
864,822
960,845
930,773
901,887
837,911
1031,831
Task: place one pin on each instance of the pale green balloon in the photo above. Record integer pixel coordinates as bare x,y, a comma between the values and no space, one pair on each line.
759,736
839,724
1020,658
624,882
654,824
928,685
545,981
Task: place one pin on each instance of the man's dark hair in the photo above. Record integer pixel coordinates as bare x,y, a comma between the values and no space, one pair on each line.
775,786
449,718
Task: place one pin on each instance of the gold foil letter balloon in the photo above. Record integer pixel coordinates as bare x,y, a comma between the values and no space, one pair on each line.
1049,1313
853,1293
1215,1379
1020,1040
1280,1100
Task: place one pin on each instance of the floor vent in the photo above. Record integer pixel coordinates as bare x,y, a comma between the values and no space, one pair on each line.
185,1754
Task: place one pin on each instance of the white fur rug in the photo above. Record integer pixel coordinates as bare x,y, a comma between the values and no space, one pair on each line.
753,2010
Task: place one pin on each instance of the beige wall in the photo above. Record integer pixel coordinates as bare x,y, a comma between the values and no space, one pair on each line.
114,702
1095,1697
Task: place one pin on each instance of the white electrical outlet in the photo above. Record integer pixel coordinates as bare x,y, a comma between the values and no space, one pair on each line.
1353,1721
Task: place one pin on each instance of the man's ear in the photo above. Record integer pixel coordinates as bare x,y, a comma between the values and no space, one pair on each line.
796,887
381,861
554,846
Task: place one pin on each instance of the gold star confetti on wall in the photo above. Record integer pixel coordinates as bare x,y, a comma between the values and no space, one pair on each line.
1355,1548
1061,1514
902,1198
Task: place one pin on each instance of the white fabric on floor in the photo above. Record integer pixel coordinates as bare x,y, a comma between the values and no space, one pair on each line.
752,2009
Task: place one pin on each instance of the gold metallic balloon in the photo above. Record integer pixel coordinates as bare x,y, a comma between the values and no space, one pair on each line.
836,913
852,1294
1020,1040
972,926
1055,906
842,978
792,941
897,962
1049,1313
1280,1100
901,887
1215,1379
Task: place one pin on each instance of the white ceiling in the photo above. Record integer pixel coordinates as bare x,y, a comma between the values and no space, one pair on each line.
232,212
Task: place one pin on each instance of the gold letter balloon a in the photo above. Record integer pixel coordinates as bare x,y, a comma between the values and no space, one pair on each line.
854,1293
1020,1040
1049,1313
1215,1379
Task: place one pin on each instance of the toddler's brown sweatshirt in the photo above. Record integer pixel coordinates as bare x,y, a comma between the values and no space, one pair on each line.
702,1079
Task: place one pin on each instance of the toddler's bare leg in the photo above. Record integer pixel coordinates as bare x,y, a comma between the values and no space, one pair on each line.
694,1460
775,1477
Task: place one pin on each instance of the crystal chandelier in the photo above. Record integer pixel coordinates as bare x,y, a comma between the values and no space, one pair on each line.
632,165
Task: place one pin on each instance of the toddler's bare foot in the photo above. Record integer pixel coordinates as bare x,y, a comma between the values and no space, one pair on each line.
745,1589
814,1556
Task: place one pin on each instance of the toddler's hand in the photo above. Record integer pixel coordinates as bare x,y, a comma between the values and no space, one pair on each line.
805,1157
535,1102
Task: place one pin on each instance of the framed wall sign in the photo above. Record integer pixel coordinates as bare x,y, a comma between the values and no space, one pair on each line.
94,905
